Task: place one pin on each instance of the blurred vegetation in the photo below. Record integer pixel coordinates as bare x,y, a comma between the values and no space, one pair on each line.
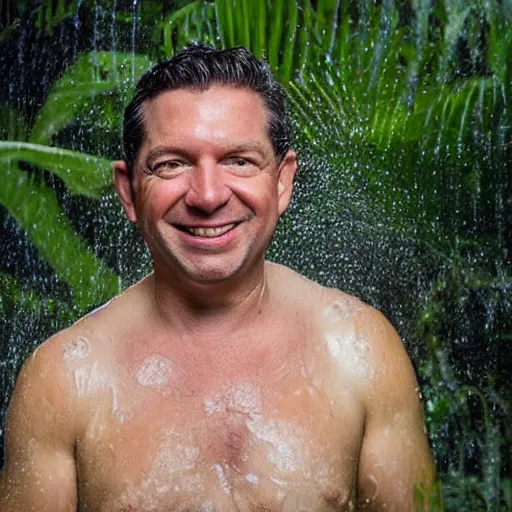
401,114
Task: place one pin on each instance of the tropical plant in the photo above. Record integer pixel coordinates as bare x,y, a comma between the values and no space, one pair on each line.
401,117
34,204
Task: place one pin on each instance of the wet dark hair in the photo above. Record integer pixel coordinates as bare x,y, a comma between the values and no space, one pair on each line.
199,66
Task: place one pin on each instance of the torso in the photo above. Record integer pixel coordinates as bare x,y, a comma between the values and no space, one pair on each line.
166,428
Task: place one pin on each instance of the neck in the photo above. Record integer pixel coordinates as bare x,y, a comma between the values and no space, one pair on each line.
193,308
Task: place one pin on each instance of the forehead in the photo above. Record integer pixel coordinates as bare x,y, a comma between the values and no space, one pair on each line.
215,115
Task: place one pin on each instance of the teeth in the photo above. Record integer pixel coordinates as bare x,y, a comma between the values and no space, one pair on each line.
211,232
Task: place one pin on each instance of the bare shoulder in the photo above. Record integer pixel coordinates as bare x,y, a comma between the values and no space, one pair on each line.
45,387
51,379
43,424
367,348
291,284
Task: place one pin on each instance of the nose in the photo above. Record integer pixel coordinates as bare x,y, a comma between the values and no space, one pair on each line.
207,190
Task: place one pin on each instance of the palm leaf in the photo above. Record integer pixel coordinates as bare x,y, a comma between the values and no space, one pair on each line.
283,31
35,208
83,174
193,21
93,74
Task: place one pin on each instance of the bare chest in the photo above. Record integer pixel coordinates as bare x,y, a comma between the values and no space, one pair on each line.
241,446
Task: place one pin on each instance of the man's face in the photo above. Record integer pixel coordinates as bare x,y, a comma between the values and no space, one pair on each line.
208,188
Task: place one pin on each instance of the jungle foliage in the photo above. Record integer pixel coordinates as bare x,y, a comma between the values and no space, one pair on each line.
403,105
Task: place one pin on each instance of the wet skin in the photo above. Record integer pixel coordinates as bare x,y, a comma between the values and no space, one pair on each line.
220,382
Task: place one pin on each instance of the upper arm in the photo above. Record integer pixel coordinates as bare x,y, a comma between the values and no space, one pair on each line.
395,456
40,472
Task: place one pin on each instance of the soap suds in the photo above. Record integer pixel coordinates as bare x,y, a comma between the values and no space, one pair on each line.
154,371
351,352
245,399
173,470
223,479
77,349
252,478
88,378
285,451
242,398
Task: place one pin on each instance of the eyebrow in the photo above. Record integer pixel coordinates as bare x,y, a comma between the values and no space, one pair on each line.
249,146
159,151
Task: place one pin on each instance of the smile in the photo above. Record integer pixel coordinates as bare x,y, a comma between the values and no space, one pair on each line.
209,232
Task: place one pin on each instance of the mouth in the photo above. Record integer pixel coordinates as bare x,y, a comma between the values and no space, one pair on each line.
205,232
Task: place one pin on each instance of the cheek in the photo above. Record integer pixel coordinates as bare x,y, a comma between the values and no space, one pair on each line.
156,196
259,194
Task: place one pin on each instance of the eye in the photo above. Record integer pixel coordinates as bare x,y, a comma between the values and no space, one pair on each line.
237,161
167,167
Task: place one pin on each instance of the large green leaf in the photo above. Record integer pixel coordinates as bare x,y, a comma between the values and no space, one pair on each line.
281,30
93,74
194,21
286,32
84,174
14,295
35,208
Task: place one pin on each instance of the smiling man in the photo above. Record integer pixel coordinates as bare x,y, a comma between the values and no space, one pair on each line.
221,382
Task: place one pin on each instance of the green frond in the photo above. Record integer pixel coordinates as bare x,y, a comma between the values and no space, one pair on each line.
83,174
93,74
35,208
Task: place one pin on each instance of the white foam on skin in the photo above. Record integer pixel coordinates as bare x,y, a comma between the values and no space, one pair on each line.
284,449
350,352
78,349
88,378
252,478
223,479
154,371
343,343
214,404
243,398
172,471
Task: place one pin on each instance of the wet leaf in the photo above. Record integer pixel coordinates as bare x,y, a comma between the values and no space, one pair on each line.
35,208
84,174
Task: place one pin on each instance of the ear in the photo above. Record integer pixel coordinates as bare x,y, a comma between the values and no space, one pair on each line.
124,189
285,176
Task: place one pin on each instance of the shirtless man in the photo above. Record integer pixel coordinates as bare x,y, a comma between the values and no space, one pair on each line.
221,382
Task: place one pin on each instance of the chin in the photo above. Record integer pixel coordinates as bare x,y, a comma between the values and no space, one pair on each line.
212,275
